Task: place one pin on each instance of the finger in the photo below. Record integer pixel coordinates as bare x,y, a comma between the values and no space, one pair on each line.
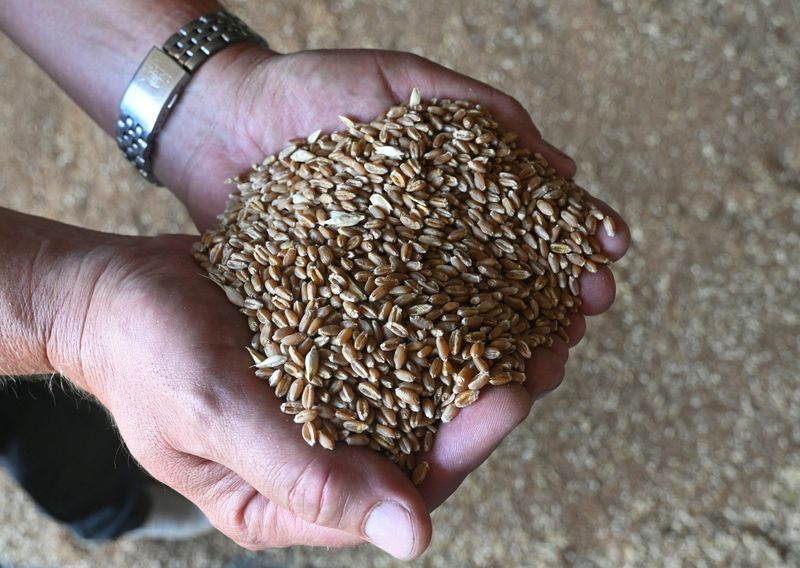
436,81
563,163
597,291
465,443
352,489
576,329
240,512
560,348
614,245
545,369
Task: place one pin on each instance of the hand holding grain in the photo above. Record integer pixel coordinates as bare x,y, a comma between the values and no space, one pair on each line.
164,351
254,101
164,354
133,321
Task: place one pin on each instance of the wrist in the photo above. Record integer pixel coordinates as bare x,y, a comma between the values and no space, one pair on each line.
137,28
205,139
93,48
74,267
82,323
115,281
46,283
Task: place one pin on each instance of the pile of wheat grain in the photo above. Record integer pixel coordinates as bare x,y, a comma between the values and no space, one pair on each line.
392,270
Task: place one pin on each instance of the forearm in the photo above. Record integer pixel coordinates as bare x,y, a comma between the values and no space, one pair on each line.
45,288
92,48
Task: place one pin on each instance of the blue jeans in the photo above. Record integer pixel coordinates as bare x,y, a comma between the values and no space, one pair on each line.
64,451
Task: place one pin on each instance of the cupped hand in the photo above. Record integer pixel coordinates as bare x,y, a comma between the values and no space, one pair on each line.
163,350
249,107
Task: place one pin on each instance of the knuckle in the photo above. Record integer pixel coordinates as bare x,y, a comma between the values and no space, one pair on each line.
254,542
259,524
202,415
246,519
315,494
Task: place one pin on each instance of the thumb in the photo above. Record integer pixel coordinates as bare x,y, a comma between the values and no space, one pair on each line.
351,489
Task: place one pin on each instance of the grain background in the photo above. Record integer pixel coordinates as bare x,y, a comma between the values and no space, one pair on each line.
675,439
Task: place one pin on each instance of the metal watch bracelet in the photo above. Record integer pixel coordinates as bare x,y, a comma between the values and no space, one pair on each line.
162,76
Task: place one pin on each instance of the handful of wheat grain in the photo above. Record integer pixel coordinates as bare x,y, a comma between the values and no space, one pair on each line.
392,270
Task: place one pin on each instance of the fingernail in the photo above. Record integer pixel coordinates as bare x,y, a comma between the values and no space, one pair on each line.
559,152
389,527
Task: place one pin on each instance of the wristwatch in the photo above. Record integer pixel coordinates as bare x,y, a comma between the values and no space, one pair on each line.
162,76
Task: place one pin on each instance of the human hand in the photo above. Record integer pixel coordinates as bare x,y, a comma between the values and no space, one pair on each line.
279,97
162,350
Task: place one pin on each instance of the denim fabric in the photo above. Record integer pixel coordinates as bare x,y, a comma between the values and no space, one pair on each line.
63,450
